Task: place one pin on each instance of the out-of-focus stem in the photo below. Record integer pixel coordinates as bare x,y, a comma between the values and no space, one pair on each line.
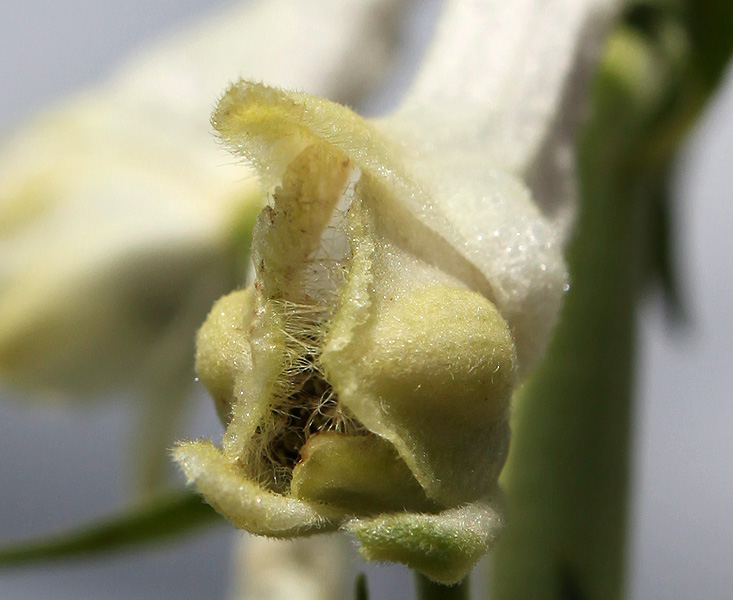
429,590
567,474
311,568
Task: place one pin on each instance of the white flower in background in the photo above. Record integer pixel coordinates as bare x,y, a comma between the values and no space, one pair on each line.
115,208
406,279
121,219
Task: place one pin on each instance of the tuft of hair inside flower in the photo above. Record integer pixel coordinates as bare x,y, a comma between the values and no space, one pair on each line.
365,376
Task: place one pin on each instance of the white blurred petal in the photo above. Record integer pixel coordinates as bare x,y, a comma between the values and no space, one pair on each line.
497,72
496,108
116,204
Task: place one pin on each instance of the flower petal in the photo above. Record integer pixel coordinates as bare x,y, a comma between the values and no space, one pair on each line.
223,352
335,48
243,502
504,86
489,217
497,75
442,546
502,89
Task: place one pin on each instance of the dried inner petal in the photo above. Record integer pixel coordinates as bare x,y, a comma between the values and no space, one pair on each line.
301,266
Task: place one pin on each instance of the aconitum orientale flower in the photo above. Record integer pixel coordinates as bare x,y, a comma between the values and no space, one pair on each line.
405,280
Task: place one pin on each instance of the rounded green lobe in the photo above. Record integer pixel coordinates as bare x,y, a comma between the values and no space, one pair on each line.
442,546
363,474
432,371
222,347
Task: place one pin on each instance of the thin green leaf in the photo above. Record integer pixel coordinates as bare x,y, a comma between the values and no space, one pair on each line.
166,516
663,250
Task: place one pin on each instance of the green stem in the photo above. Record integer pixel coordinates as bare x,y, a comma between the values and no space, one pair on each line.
361,592
567,473
429,590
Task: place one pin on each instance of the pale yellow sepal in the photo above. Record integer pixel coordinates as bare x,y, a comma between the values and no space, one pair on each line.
246,504
222,350
473,222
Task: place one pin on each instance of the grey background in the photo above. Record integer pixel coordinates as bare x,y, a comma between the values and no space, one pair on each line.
61,465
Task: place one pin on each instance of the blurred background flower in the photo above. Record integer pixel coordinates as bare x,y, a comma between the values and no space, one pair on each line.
121,221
